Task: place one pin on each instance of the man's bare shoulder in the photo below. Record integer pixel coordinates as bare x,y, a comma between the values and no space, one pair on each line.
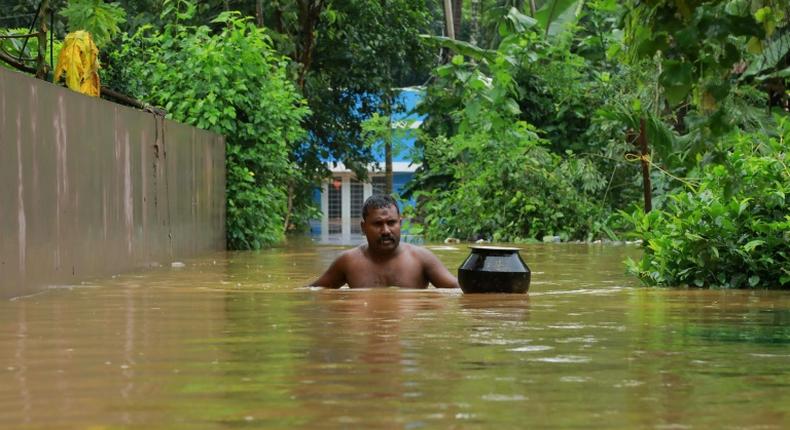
350,255
416,248
336,275
434,270
421,252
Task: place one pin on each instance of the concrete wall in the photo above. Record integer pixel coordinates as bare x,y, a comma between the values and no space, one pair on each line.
90,188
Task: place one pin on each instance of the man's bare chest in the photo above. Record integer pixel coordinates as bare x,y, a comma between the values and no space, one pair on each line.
404,272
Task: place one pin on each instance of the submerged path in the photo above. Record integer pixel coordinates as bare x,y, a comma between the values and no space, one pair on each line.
232,340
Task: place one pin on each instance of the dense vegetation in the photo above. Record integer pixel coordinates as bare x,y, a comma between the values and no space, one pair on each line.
660,120
216,81
553,131
733,228
487,171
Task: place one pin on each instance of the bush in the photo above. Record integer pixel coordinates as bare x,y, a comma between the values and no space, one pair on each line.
234,83
733,231
509,190
485,171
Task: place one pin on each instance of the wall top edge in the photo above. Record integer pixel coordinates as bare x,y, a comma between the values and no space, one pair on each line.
48,89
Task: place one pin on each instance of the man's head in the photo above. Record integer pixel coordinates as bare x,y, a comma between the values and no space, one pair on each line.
381,223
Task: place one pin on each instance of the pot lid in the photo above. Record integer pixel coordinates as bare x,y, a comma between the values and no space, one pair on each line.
494,248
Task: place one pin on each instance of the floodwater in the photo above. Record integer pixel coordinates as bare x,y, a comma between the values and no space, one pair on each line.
232,341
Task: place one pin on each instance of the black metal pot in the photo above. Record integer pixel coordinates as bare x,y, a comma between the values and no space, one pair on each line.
494,269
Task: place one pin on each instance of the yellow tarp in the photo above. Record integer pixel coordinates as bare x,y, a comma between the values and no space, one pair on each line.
79,59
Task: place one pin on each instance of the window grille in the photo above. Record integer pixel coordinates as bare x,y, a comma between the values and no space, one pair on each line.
335,206
357,198
379,184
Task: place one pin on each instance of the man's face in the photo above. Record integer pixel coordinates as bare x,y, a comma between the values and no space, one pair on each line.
382,228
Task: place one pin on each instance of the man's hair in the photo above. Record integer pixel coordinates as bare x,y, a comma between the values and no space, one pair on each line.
378,201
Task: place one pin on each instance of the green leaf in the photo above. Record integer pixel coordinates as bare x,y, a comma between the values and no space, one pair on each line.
512,107
761,14
460,47
556,15
677,80
737,7
772,54
749,247
743,205
519,21
784,73
100,19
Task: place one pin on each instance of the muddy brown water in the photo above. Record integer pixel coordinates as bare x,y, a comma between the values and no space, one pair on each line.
232,341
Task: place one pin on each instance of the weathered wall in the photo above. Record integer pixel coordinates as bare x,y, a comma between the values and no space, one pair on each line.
90,188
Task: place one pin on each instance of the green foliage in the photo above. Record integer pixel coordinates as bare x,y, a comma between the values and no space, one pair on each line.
363,49
719,69
508,188
98,18
27,51
178,11
345,59
556,15
734,230
702,45
255,206
379,130
231,82
486,172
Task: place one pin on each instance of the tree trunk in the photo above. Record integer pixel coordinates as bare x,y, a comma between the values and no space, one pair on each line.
475,34
645,166
449,21
458,6
259,13
388,148
15,63
290,207
42,68
309,13
279,26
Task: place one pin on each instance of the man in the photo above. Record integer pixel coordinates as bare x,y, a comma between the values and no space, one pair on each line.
384,261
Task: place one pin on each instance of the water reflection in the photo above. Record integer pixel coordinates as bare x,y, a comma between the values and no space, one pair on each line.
377,316
496,306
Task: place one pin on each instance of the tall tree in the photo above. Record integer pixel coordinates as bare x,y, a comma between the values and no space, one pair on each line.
349,55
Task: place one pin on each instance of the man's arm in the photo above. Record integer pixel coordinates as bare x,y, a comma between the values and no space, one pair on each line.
335,275
437,274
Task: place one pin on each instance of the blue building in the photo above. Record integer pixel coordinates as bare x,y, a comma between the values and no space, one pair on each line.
341,196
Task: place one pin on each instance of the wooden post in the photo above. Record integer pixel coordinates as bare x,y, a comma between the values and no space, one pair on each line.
259,13
448,19
42,68
290,207
475,22
458,6
388,147
645,166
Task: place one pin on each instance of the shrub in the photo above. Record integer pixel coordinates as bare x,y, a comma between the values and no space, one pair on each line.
733,231
509,187
234,83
